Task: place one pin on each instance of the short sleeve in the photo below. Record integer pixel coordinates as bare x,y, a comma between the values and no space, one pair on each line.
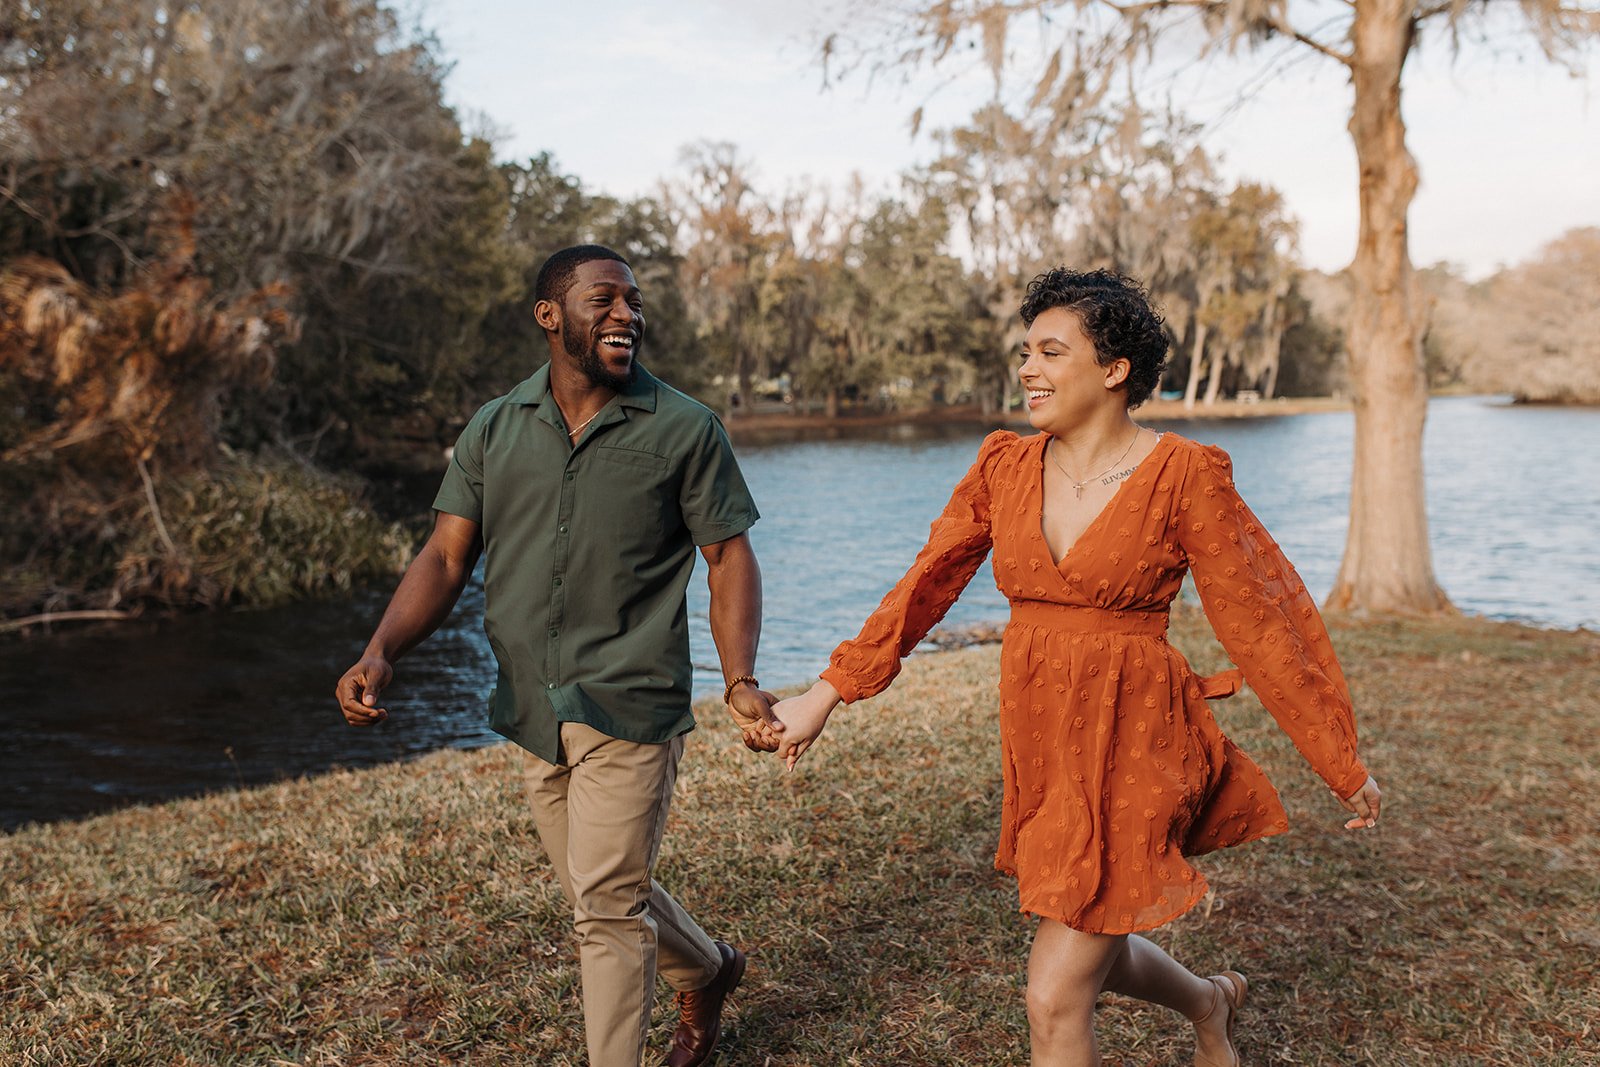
958,541
461,492
714,499
1267,621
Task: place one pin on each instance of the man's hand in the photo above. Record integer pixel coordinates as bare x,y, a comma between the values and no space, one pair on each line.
751,709
803,718
359,689
1364,804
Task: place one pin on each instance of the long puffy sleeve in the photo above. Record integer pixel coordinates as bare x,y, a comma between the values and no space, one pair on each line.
1267,621
957,543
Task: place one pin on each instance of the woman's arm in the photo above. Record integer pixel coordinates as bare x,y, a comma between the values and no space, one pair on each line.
1269,625
958,541
863,666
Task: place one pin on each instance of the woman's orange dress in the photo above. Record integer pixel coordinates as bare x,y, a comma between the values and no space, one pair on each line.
1114,769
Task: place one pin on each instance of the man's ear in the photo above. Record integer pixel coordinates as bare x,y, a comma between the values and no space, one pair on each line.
547,313
1118,372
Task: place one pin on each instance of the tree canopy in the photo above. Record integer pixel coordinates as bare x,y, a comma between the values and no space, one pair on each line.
242,238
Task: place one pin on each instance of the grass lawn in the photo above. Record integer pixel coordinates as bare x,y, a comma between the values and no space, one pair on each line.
406,914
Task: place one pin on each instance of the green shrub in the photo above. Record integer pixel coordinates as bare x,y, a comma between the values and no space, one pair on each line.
254,530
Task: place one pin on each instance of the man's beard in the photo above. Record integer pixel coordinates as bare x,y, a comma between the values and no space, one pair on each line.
598,373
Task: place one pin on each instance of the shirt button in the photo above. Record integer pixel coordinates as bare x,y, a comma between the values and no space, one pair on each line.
569,476
550,685
562,528
558,581
554,632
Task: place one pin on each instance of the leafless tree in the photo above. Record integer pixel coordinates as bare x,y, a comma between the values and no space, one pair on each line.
1387,564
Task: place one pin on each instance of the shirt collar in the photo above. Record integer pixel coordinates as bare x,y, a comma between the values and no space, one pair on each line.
640,393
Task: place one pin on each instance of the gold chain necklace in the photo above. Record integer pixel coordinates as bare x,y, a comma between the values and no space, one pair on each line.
1077,486
583,424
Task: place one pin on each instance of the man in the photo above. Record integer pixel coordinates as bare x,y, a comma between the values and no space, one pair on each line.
588,486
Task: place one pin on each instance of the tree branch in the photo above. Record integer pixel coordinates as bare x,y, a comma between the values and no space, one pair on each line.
1279,25
1310,42
13,625
155,509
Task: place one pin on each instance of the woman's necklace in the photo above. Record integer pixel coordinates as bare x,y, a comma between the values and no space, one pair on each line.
1077,486
580,428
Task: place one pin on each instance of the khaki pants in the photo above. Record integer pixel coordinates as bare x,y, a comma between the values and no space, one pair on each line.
600,818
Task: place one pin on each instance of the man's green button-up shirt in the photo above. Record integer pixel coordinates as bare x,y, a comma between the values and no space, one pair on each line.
588,551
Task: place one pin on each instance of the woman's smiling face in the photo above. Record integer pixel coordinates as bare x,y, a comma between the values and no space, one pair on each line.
1061,372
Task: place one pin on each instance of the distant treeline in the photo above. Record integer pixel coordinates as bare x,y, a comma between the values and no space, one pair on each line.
244,243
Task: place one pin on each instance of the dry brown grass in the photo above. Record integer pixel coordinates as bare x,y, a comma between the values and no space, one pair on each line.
406,914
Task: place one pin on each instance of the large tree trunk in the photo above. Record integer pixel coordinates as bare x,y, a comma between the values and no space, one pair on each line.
1197,358
1269,385
1008,397
1219,365
747,388
1272,340
1387,565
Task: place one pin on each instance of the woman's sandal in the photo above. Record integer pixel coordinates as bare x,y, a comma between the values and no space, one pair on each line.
1232,987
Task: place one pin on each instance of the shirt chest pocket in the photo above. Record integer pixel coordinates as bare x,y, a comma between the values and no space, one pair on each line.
629,494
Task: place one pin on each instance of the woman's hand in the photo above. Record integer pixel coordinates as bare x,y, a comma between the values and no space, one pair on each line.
803,718
1364,804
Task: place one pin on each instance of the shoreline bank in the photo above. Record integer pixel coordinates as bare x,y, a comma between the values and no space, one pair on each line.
770,422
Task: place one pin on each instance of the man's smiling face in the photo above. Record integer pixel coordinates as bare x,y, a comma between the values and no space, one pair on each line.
603,322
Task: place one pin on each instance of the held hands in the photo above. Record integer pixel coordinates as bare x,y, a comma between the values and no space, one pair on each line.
1364,804
751,709
359,689
803,718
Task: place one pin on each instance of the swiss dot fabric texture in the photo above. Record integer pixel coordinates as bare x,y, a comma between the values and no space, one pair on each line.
1114,769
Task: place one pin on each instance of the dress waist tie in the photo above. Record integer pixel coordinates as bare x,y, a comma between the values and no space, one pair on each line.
1083,619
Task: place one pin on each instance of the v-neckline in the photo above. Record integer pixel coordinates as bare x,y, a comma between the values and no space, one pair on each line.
1105,509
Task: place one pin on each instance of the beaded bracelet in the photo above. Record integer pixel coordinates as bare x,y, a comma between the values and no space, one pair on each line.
727,694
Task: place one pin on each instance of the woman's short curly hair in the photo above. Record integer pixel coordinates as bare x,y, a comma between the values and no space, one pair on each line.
1116,314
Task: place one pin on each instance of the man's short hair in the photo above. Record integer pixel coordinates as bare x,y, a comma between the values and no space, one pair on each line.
555,277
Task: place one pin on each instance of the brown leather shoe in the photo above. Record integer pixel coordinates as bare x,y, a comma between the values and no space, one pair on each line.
700,1013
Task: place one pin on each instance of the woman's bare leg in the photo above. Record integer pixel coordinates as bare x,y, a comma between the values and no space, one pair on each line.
1066,971
1143,970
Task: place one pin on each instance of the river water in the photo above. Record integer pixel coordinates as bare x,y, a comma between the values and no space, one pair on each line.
140,712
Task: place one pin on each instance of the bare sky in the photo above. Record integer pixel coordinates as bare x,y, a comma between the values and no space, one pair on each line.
1508,145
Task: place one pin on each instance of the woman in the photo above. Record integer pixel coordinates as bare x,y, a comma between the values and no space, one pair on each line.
1114,769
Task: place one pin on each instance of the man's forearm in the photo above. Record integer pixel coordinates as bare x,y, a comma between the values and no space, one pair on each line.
427,593
735,584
